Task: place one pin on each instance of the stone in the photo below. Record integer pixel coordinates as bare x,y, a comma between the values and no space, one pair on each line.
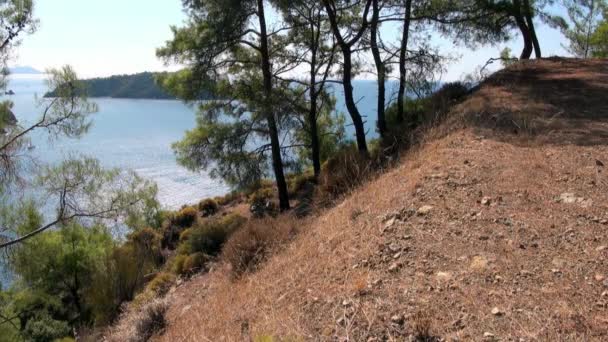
497,312
569,198
390,223
397,319
443,276
479,263
424,210
486,201
397,255
394,267
601,248
599,277
488,335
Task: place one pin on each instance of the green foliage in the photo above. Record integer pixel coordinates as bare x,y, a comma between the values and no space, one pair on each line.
208,207
209,236
584,33
194,263
177,264
599,39
298,182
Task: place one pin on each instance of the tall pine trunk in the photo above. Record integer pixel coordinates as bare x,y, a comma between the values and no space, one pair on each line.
277,162
530,23
402,57
525,31
312,115
347,74
380,68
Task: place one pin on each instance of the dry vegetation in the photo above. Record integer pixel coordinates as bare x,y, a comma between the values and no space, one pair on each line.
479,234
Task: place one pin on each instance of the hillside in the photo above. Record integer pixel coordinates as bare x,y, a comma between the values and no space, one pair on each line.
136,86
495,228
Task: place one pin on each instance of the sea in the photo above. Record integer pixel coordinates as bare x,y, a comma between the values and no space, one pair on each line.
137,135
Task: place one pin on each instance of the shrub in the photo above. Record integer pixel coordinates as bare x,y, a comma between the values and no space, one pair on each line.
194,263
228,198
147,242
297,183
178,264
161,283
344,171
186,217
208,207
250,246
151,321
210,236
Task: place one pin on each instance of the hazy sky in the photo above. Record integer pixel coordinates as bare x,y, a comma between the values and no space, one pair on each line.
105,37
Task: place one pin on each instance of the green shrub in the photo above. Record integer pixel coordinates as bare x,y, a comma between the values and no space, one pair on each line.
297,183
177,265
228,198
161,283
252,244
147,242
208,237
208,207
261,196
185,217
195,262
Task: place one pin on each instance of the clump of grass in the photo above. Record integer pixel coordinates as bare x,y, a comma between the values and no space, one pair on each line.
251,245
208,237
151,321
345,171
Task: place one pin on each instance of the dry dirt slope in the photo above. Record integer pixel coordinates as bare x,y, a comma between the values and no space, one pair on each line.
478,235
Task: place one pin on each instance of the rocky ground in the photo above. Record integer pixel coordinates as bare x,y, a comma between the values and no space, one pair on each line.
478,235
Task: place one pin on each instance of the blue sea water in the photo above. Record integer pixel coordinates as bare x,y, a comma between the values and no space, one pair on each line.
137,135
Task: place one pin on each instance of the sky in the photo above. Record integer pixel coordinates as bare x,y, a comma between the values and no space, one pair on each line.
107,37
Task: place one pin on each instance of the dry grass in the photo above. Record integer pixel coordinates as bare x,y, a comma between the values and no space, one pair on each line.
496,256
141,324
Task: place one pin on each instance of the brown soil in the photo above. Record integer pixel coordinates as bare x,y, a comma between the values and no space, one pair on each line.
481,234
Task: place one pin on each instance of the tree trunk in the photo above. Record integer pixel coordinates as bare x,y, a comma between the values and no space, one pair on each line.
380,68
402,57
312,115
277,162
530,23
525,31
347,76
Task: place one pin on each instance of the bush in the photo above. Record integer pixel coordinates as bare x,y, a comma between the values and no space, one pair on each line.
228,198
161,284
344,171
147,242
297,183
186,217
177,265
194,263
208,207
250,246
210,236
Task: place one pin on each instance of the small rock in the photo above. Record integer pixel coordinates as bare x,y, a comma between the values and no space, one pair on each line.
599,277
397,255
394,247
424,210
601,248
497,312
346,302
341,321
486,201
390,223
488,335
397,319
479,263
569,198
394,267
443,276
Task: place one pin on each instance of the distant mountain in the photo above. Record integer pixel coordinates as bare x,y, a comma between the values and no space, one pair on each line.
136,86
25,70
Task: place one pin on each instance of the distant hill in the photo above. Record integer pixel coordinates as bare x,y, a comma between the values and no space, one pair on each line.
25,70
136,86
